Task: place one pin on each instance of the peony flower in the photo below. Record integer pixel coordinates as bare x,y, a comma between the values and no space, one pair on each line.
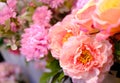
107,17
53,3
60,33
84,58
34,42
96,17
84,18
42,16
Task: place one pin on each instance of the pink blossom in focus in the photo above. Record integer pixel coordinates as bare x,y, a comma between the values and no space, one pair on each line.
97,16
42,16
60,33
83,57
53,3
34,42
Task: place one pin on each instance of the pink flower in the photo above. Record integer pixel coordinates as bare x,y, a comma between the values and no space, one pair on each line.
34,42
12,4
13,27
80,3
7,11
60,33
42,16
9,73
53,3
107,17
84,18
96,17
83,57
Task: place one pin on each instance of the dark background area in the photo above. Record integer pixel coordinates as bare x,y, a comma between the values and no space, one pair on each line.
1,58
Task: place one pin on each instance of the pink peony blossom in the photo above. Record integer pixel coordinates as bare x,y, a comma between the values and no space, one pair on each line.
53,3
107,17
83,57
97,16
34,42
42,16
60,33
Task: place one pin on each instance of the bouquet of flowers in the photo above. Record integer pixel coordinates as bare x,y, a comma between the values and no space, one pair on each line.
78,39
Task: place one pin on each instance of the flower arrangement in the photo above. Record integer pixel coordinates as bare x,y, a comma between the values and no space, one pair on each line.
79,39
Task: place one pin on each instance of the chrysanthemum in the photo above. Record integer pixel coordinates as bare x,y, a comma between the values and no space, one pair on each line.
34,42
42,16
53,3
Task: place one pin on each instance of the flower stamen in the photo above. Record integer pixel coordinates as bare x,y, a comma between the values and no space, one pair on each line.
65,38
85,57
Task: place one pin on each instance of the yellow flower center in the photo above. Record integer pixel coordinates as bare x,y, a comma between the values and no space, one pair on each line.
108,4
85,57
65,38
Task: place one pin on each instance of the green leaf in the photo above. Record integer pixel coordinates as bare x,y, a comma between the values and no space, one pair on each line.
57,77
118,52
53,66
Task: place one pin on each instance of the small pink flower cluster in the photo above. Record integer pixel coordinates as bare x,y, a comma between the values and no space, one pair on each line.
34,43
53,3
42,16
9,73
7,10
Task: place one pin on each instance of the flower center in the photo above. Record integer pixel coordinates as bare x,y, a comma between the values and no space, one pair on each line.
65,38
85,57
